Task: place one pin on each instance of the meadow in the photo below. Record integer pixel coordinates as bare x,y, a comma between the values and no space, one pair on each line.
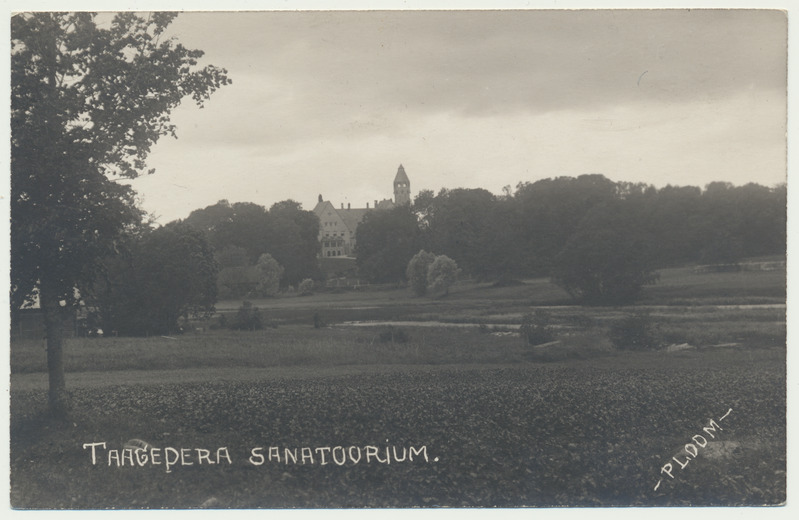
302,416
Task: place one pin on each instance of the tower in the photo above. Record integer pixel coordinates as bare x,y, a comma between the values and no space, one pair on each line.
402,187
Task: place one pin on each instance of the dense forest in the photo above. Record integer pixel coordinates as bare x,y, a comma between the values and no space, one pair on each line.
543,225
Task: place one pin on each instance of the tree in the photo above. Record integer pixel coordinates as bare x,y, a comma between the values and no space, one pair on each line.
287,232
293,239
549,212
442,273
87,104
237,282
385,241
608,260
456,224
231,256
167,274
269,274
417,271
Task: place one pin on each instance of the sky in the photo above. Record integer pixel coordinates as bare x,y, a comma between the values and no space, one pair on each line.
332,103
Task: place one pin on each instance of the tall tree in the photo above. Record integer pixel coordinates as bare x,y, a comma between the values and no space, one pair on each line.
456,224
87,105
385,241
293,240
164,275
609,258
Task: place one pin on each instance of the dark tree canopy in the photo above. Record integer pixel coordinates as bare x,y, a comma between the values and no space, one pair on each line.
385,241
457,224
165,274
286,232
87,104
609,258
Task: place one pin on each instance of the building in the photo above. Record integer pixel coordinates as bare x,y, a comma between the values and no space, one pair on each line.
337,226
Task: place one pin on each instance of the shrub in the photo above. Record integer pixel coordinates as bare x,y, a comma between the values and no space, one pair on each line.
536,328
318,322
417,271
306,287
269,274
636,331
248,317
442,273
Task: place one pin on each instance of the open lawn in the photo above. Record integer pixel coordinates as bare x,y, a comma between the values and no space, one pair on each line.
297,416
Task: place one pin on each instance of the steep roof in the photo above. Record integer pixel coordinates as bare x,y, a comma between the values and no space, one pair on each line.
352,217
401,176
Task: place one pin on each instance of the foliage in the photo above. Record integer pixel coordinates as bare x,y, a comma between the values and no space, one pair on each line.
166,274
231,256
306,287
608,260
318,321
292,238
520,234
87,104
237,282
269,275
458,223
286,232
385,241
248,317
636,331
536,328
442,273
417,271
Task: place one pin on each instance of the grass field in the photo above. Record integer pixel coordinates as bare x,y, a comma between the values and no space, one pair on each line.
490,422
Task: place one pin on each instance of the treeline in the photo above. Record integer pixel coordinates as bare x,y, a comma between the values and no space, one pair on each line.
600,240
570,228
259,251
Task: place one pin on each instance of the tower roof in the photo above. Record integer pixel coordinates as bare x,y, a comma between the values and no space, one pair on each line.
401,176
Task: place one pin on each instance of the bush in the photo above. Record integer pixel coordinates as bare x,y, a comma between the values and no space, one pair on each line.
393,335
635,332
442,273
417,271
318,322
306,287
536,328
248,317
269,274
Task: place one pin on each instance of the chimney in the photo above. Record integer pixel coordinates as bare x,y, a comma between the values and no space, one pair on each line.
342,205
348,205
367,205
375,203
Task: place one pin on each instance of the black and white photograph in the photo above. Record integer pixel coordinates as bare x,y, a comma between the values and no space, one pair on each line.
329,258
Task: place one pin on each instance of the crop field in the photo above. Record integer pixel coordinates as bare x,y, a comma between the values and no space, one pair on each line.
458,413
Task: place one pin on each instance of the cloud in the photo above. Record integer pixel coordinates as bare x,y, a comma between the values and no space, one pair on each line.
334,101
308,73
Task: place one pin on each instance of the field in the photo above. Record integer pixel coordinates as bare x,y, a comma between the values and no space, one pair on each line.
454,411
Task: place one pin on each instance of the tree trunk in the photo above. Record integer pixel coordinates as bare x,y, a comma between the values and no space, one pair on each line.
54,325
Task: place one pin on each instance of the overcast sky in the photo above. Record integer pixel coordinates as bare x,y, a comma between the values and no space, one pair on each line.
332,102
